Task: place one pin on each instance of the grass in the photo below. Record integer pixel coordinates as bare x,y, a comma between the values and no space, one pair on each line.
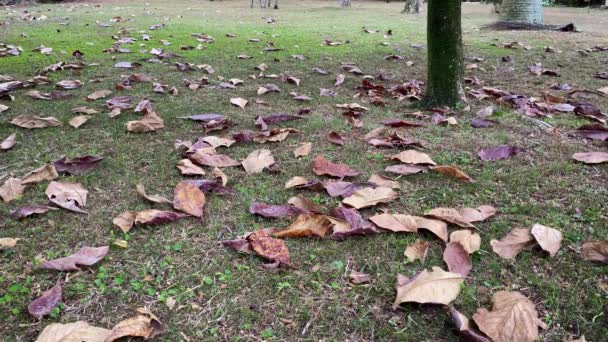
223,295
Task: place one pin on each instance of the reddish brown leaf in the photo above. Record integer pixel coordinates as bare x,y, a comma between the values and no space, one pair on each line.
189,199
85,256
30,210
595,251
457,259
45,304
322,166
274,211
269,248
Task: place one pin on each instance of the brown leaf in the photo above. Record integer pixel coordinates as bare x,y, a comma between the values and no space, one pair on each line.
189,199
305,204
439,228
405,169
125,220
41,174
413,157
70,196
72,332
509,246
595,251
11,189
213,160
9,142
322,166
307,225
465,329
148,123
257,161
269,248
549,239
513,318
33,121
145,325
8,243
449,215
154,217
591,157
216,142
79,120
395,222
239,102
457,259
481,213
99,94
368,197
186,167
471,242
152,198
85,256
29,210
339,80
435,287
274,211
417,250
219,175
295,181
45,304
358,277
452,171
335,138
380,180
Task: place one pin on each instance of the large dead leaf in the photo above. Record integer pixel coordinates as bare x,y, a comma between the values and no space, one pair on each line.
8,243
9,142
322,166
274,211
595,251
509,246
449,215
154,217
548,238
405,169
33,121
11,189
213,160
380,180
368,197
145,325
417,250
269,248
45,304
305,204
356,224
99,94
186,167
78,165
439,228
470,241
70,196
457,259
152,198
72,332
41,174
302,150
189,199
257,161
591,157
125,220
85,256
481,213
413,157
395,222
295,182
148,123
466,330
239,102
513,318
435,287
452,171
216,142
307,225
79,120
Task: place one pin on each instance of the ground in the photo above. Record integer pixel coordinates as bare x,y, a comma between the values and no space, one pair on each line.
224,295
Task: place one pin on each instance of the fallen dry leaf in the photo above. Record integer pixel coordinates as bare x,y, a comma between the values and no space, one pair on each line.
79,120
41,174
417,250
77,165
72,332
307,225
29,210
457,259
481,213
368,197
380,180
549,239
186,167
154,217
395,222
216,142
466,330
356,277
239,102
405,169
591,157
305,204
145,325
295,181
9,142
513,318
269,248
514,242
125,220
413,157
322,166
434,287
257,161
189,199
148,123
8,243
85,256
452,171
152,198
470,241
33,121
499,152
11,189
99,94
213,160
45,304
449,215
595,251
70,196
302,150
439,228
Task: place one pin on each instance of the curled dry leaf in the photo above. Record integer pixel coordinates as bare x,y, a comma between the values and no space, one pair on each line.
125,221
305,204
457,259
186,167
513,318
452,171
45,304
9,142
79,120
85,256
380,180
33,121
269,248
295,182
11,189
152,198
439,228
322,166
413,157
70,196
434,287
154,217
405,169
356,277
549,239
29,210
213,160
466,330
99,94
449,215
595,251
481,213
145,325
335,138
395,222
148,123
41,174
189,199
72,332
517,240
302,150
356,225
470,241
368,197
216,142
417,250
591,157
78,165
239,102
307,225
257,161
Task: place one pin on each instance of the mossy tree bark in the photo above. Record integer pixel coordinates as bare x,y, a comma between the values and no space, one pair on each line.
522,11
445,58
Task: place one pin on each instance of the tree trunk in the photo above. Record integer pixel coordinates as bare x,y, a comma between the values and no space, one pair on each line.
445,59
522,11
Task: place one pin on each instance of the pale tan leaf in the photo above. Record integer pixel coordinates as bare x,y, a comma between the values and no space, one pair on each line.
125,220
186,167
99,94
73,332
148,123
481,213
33,121
452,171
307,225
218,174
383,181
435,287
217,141
9,142
395,222
595,251
295,181
413,157
145,325
303,150
41,174
257,161
358,277
79,120
11,189
239,102
368,197
152,198
417,250
8,243
470,241
513,318
509,246
548,238
449,215
439,228
591,157
70,196
189,199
